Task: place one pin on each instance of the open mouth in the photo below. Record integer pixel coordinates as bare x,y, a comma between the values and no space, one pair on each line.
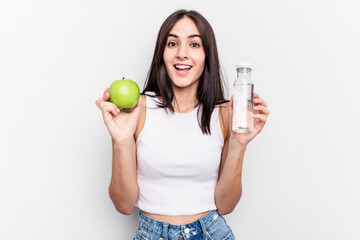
182,69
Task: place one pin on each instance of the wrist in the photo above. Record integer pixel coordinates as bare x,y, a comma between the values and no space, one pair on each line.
125,141
236,144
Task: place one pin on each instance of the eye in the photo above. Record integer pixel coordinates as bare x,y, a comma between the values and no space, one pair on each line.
171,44
195,45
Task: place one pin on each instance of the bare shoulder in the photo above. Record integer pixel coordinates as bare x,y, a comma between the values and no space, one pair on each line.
141,119
143,101
224,118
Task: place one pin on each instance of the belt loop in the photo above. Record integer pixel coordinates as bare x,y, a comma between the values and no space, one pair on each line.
203,227
165,228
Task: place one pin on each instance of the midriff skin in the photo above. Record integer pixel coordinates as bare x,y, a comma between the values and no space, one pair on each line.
176,220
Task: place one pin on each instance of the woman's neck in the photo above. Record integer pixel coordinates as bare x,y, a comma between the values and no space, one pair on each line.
185,100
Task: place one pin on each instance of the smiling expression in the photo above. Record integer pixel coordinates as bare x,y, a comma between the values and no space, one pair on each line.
184,54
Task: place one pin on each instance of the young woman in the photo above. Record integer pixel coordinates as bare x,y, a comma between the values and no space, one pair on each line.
174,155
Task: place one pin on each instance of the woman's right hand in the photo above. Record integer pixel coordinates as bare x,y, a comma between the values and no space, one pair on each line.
121,125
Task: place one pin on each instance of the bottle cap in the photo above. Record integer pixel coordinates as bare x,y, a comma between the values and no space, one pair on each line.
244,65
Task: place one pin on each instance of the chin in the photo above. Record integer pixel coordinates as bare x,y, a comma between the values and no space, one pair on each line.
183,83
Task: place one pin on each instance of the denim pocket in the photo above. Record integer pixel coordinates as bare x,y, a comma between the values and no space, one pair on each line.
139,236
219,230
230,236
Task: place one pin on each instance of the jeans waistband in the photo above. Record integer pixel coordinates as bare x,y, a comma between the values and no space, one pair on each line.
169,231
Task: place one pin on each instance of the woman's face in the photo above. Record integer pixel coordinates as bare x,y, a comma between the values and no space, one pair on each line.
184,54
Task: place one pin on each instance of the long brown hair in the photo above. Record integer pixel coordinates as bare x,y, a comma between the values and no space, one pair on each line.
210,91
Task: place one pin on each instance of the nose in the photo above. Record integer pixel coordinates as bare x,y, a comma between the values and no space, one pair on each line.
182,52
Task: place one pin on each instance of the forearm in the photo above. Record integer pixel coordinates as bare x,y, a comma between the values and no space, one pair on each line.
123,187
228,189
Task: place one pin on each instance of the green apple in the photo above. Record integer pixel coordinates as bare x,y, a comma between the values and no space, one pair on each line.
124,94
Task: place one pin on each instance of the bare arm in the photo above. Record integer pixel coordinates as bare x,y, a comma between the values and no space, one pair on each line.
123,189
229,187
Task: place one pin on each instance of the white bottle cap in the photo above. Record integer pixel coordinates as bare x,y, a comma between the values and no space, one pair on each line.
244,65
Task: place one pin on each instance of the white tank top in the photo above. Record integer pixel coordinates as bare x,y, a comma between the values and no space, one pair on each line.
177,164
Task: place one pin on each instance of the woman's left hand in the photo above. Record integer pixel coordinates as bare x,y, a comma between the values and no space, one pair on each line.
261,112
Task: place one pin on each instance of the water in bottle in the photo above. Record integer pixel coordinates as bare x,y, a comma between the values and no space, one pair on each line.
243,100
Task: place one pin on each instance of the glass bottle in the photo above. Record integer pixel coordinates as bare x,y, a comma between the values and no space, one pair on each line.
243,100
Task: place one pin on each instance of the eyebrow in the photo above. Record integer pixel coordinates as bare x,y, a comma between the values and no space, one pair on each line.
190,36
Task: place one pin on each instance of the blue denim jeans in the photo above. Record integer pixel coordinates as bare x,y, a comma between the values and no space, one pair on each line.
211,226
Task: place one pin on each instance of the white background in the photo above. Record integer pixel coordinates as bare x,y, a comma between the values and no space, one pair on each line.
301,174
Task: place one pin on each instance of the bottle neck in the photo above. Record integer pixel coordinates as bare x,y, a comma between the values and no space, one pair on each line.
244,73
